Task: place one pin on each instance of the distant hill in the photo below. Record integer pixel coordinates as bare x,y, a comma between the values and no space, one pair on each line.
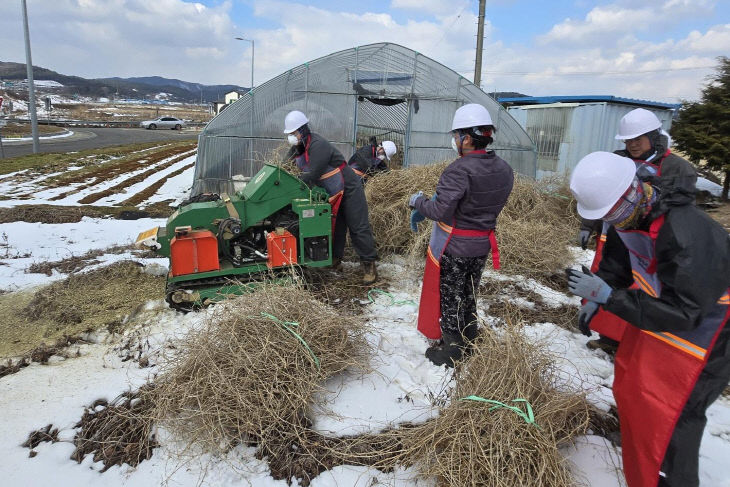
138,88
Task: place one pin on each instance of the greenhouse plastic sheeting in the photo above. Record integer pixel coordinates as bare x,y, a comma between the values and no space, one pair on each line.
383,90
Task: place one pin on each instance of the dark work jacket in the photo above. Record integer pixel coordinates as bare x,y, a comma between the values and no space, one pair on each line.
678,176
323,157
693,265
365,160
470,195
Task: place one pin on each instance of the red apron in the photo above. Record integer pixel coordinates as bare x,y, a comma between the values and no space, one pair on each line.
655,372
333,181
604,322
429,309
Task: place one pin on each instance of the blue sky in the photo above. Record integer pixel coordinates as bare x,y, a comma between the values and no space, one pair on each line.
655,49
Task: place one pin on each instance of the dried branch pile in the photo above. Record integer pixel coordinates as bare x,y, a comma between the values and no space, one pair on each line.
533,231
250,374
117,432
472,443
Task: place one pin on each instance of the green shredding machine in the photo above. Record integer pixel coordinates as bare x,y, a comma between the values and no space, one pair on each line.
227,244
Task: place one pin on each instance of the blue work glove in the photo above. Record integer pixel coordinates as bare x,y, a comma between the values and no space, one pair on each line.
585,315
588,285
414,197
416,218
583,237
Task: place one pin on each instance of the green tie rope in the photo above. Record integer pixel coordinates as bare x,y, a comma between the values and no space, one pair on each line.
287,325
393,301
529,417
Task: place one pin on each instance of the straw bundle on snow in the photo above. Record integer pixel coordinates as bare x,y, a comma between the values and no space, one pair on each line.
533,230
474,443
249,375
471,443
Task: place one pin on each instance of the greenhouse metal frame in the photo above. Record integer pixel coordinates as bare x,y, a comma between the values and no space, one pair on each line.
383,90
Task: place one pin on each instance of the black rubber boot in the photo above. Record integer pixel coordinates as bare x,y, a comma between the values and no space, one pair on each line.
603,343
448,352
471,332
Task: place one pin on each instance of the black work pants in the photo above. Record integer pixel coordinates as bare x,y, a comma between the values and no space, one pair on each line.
353,216
459,283
681,460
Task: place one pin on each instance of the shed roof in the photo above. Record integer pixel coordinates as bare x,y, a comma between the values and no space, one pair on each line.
538,100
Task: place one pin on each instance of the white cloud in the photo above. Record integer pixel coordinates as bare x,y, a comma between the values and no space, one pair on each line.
99,38
301,36
173,38
610,22
714,40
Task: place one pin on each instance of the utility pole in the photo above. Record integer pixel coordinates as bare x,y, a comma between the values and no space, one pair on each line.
480,44
252,51
31,87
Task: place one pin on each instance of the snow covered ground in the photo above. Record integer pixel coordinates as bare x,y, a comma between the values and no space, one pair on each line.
176,188
397,389
10,141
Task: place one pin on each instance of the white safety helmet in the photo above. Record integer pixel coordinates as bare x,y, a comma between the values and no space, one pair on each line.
599,180
294,120
637,122
389,148
471,115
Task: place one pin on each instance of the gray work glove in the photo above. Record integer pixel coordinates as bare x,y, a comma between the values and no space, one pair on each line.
413,198
583,237
588,285
585,315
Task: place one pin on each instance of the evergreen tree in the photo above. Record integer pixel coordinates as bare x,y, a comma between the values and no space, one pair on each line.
703,128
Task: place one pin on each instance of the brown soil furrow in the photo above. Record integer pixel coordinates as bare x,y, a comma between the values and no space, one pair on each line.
152,189
92,198
109,171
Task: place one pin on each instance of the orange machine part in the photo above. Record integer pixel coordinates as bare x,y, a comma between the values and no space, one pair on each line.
281,246
194,252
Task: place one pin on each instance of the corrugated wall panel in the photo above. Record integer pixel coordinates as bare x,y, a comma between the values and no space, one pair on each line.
580,128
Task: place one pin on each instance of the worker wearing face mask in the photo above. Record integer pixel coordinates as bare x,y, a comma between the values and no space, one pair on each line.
373,158
323,165
470,194
665,271
648,146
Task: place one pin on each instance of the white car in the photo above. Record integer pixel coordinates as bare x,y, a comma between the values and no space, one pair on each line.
163,123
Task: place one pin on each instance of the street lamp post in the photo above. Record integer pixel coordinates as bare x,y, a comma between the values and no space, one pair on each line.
252,53
31,85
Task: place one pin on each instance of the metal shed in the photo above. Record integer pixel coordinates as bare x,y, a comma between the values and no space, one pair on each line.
566,128
383,89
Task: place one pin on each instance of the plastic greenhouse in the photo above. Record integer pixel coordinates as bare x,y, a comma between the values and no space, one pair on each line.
381,89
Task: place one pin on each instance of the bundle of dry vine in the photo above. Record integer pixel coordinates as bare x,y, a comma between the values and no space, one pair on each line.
250,374
501,426
533,231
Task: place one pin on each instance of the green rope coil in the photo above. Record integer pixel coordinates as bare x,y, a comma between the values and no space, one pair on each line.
529,417
288,326
393,301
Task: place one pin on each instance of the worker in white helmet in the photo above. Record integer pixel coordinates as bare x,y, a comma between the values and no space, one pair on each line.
323,165
648,146
470,194
372,158
674,357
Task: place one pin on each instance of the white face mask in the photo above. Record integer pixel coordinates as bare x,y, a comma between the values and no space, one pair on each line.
381,157
292,139
453,145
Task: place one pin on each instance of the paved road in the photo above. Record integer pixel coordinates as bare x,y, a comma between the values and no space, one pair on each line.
95,138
